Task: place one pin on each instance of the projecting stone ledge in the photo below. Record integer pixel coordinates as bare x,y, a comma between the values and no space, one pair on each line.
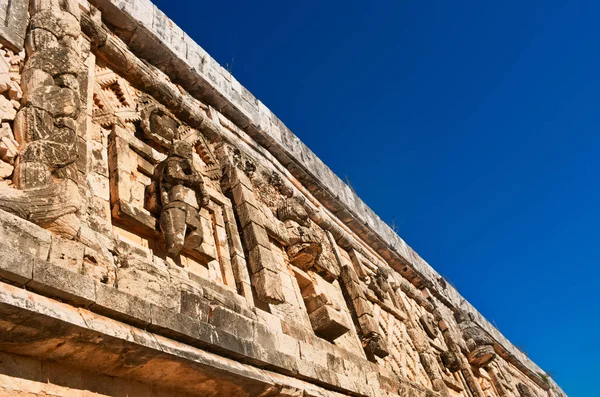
51,331
133,336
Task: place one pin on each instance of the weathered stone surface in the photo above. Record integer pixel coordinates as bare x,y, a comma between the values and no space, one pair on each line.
183,214
195,306
121,306
58,282
6,170
149,282
22,237
213,84
16,266
328,323
231,322
13,23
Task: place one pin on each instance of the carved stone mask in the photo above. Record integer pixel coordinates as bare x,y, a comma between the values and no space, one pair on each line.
163,125
182,149
291,209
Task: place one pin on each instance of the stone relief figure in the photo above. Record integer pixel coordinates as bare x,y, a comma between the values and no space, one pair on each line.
479,345
182,193
47,125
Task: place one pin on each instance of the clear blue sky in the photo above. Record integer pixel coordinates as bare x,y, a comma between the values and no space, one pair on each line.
472,125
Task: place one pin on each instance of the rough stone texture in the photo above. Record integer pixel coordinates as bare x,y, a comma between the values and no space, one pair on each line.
13,22
165,228
216,86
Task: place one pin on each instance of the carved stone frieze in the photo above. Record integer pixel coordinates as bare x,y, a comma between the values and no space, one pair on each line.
114,99
191,236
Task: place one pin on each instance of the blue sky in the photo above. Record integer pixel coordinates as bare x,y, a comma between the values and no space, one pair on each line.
470,125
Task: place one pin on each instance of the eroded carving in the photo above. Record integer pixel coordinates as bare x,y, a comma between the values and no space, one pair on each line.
373,342
429,325
46,126
479,345
182,193
525,391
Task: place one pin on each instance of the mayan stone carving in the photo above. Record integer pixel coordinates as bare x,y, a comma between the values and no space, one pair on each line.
182,193
47,123
480,347
163,233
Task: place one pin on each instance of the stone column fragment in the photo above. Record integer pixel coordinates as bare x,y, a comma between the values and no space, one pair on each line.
46,126
263,269
373,342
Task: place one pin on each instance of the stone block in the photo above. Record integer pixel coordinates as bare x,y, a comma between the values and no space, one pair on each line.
361,306
244,194
216,294
181,327
295,331
19,235
267,285
67,254
137,218
195,306
260,258
121,306
256,235
367,324
6,170
328,323
312,354
248,213
231,322
231,345
149,282
265,337
60,283
9,149
99,185
270,358
287,344
16,266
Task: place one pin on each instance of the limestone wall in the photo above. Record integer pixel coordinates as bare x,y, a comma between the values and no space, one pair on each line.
161,226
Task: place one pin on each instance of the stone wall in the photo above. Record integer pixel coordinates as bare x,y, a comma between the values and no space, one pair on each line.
161,228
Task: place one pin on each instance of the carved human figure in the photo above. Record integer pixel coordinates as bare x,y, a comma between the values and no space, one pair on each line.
182,193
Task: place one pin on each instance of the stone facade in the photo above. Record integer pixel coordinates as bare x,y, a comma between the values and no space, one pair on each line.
163,233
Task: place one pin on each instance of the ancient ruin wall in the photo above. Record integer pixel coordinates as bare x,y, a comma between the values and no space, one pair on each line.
163,233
